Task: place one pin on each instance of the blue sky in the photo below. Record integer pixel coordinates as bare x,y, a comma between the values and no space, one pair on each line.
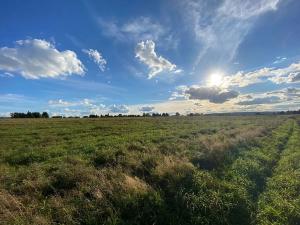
82,57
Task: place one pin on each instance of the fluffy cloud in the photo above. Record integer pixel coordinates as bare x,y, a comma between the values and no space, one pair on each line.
145,52
96,57
35,58
212,94
289,74
146,108
221,26
119,109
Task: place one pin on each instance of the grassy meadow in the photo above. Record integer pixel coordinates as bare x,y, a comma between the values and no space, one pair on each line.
153,171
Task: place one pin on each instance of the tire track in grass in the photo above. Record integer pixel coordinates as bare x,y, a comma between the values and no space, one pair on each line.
279,204
250,171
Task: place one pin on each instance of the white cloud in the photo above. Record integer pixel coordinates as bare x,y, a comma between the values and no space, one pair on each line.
6,74
221,26
145,52
97,57
289,74
119,109
243,79
35,58
279,60
179,93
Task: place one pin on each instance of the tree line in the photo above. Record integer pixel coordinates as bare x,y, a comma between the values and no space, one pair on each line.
130,115
46,115
29,115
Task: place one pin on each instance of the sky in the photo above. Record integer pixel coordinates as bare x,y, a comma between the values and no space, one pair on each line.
86,57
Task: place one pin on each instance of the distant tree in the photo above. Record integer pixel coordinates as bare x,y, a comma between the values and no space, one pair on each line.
58,117
26,115
156,114
93,116
29,115
45,115
177,114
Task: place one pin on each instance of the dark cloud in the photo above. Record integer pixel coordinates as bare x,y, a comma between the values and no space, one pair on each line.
212,94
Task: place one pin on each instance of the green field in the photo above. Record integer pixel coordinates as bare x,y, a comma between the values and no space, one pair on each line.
151,171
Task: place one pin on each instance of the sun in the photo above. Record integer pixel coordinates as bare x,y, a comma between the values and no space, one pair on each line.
215,79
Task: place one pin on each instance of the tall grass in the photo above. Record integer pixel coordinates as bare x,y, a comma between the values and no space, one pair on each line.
176,170
280,203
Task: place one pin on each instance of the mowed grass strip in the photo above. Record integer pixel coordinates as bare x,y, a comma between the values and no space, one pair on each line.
250,171
280,203
232,199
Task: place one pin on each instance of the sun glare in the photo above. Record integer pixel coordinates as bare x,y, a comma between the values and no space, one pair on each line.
215,79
